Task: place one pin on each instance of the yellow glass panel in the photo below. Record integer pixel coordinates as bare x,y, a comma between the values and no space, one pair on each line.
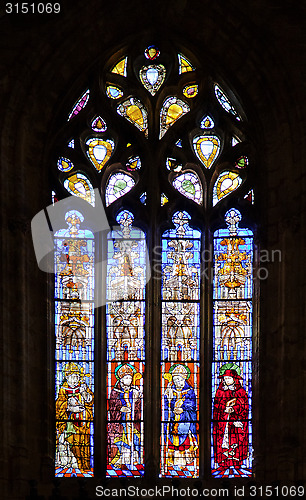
184,64
80,186
206,148
100,151
135,115
227,183
190,91
120,67
174,112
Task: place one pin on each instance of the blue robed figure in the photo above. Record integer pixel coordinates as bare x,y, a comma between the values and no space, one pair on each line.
180,415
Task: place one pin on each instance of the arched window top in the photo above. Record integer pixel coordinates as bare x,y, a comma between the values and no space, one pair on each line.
167,146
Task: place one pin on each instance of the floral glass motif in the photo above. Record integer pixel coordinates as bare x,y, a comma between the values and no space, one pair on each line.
231,427
226,183
118,185
152,52
152,77
180,349
98,124
99,151
206,148
207,122
135,112
113,92
173,165
133,163
121,67
190,91
125,316
189,185
78,185
64,164
79,105
173,108
71,144
74,353
225,102
184,64
242,162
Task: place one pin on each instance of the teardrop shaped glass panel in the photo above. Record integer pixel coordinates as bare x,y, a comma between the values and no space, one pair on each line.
226,183
98,124
64,164
134,111
207,122
99,151
190,91
78,185
152,52
206,148
172,109
113,92
190,186
152,77
118,185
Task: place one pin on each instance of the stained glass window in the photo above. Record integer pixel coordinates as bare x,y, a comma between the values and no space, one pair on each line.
98,124
74,353
78,185
184,64
152,77
232,350
64,164
118,185
121,67
207,148
135,112
185,183
172,109
190,186
180,349
125,317
226,183
99,151
225,102
79,105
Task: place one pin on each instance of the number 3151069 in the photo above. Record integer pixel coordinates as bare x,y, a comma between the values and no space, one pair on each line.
32,8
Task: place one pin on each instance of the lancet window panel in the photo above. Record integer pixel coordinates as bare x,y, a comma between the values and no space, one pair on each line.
232,350
180,349
74,353
125,313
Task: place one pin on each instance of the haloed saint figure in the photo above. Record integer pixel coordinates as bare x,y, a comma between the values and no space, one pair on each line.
74,414
180,415
230,419
124,428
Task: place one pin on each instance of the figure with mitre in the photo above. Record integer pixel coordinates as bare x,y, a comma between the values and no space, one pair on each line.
124,428
74,414
180,415
230,419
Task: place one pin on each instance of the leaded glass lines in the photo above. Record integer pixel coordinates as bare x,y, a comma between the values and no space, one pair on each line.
180,349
